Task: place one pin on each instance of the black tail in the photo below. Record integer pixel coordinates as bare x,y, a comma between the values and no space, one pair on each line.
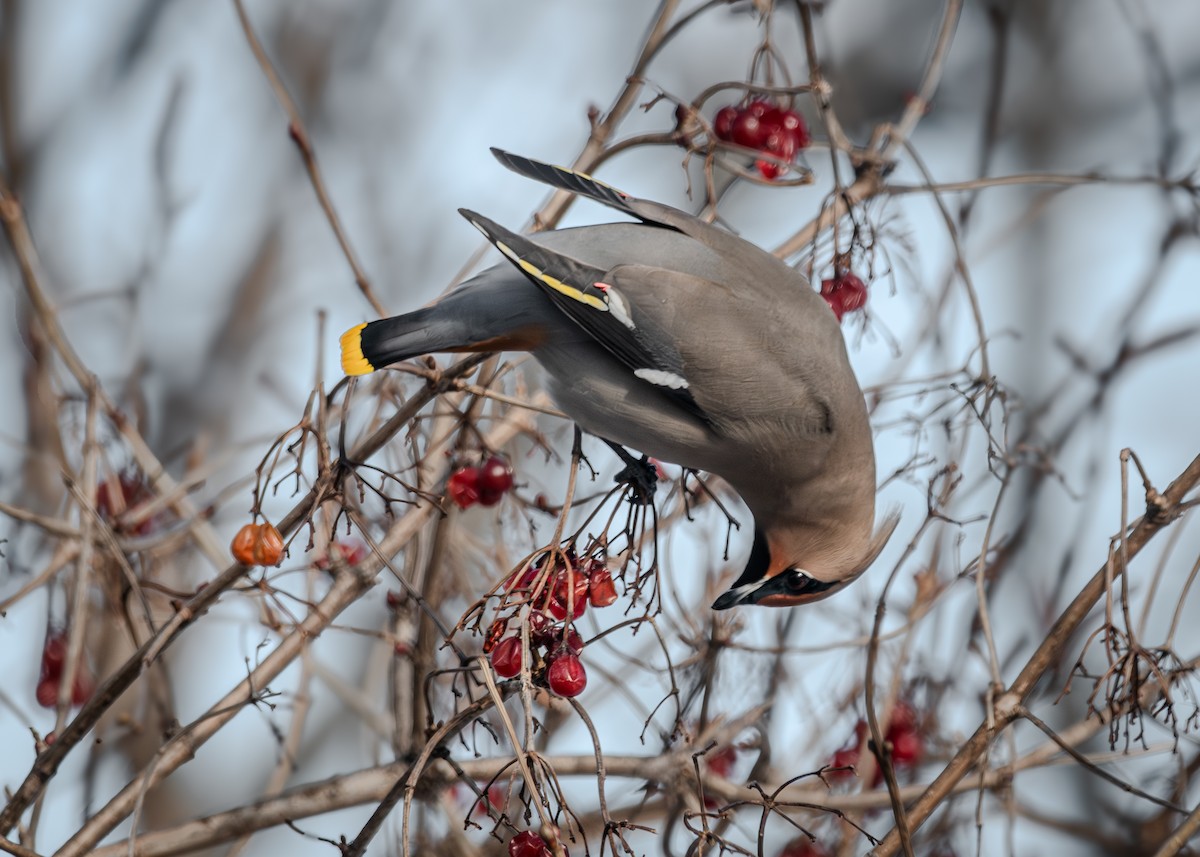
376,344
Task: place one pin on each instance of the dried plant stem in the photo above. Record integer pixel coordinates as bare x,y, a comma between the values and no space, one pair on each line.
1048,653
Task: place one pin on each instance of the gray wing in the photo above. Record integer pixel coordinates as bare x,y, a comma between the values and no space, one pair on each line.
605,313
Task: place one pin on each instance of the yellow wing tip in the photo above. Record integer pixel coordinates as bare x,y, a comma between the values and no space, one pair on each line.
353,361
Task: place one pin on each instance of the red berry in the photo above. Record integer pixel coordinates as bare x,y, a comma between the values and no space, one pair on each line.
506,657
601,589
523,580
54,654
723,122
529,844
463,487
902,734
129,490
569,587
780,144
394,599
771,118
793,125
47,692
541,629
844,293
566,675
748,130
758,108
769,169
495,798
907,747
352,550
721,761
847,757
495,478
573,641
802,846
904,717
82,689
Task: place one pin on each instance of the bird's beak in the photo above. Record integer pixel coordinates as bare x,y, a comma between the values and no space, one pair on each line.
758,569
746,594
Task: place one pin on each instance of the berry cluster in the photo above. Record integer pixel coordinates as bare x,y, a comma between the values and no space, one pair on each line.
565,592
485,485
54,658
258,544
903,737
844,292
529,844
764,127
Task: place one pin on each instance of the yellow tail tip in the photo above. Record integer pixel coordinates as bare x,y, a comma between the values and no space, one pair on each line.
353,361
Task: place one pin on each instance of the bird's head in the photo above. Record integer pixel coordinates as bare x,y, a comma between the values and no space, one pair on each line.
779,575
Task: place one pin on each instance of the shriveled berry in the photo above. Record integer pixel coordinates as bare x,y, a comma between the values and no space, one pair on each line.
566,675
723,122
494,633
506,657
602,591
463,487
258,544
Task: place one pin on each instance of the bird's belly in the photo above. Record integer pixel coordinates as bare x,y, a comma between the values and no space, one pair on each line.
609,402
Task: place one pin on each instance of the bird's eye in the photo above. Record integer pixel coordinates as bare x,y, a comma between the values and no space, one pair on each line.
799,583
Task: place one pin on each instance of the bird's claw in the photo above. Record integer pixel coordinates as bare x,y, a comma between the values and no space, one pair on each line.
641,476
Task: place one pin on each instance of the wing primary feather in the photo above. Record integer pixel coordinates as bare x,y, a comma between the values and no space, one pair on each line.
566,179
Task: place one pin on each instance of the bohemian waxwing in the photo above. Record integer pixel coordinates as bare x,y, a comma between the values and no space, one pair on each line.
681,340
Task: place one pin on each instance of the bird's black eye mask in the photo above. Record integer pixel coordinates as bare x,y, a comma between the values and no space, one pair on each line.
759,562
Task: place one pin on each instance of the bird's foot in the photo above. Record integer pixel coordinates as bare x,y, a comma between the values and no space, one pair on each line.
641,476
